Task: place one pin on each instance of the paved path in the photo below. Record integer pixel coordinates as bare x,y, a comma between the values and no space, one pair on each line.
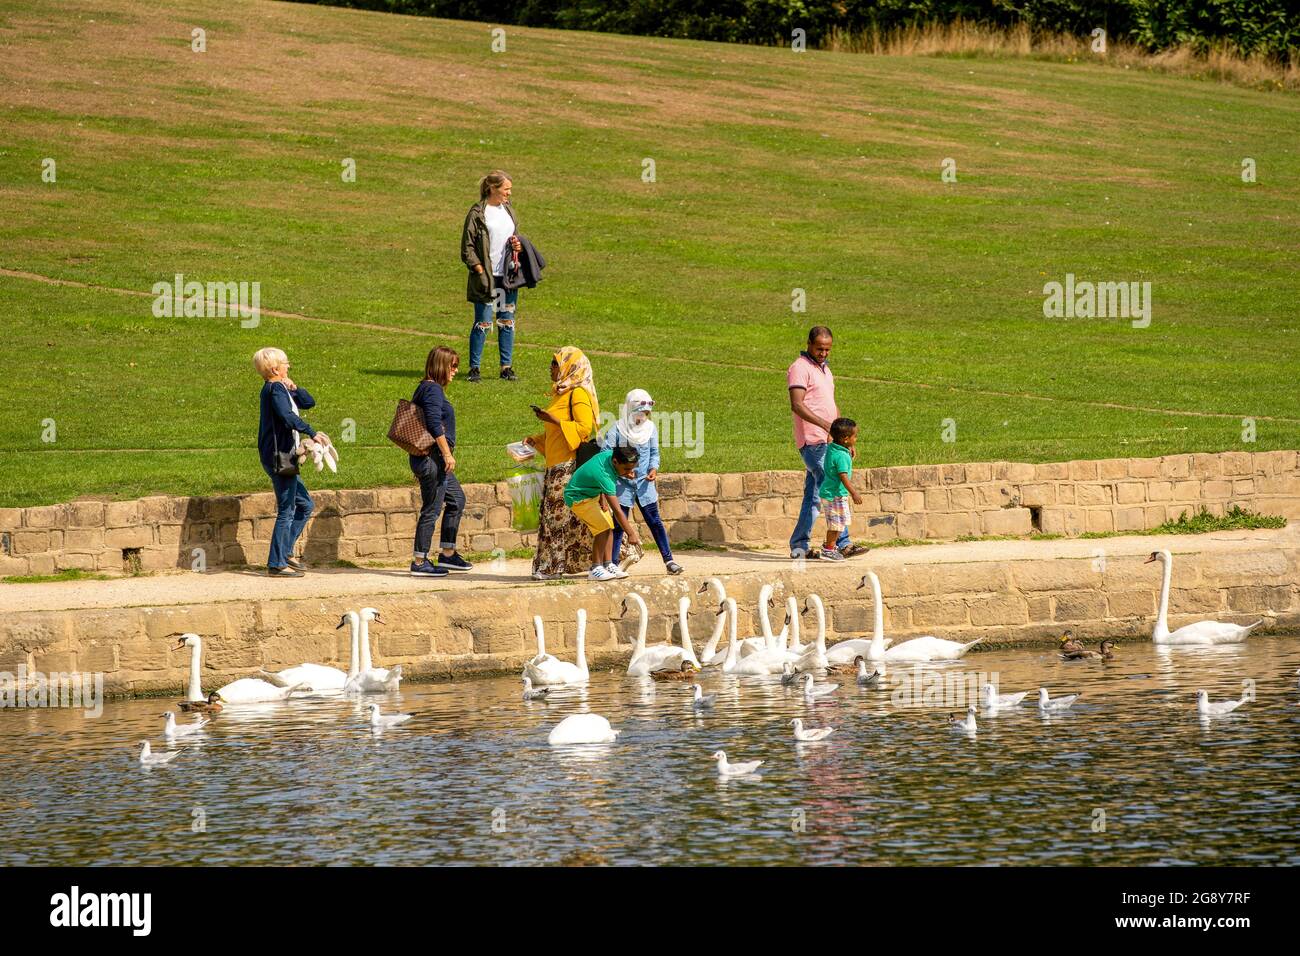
223,586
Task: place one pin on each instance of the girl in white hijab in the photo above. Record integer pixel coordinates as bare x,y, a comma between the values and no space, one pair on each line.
636,427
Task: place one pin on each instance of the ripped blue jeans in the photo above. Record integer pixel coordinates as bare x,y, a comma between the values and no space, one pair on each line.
505,319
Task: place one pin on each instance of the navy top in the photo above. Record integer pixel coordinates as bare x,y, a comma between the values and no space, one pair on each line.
439,416
278,421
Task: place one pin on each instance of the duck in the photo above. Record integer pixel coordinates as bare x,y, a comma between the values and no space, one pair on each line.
728,769
582,729
1201,633
531,694
150,759
846,651
320,677
552,671
1106,653
210,706
810,735
246,690
686,672
655,656
865,679
172,730
812,690
384,721
992,700
1206,709
967,725
711,656
702,701
917,650
368,679
1049,705
1069,645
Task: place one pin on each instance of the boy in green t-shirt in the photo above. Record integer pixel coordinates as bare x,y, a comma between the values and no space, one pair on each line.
836,487
590,494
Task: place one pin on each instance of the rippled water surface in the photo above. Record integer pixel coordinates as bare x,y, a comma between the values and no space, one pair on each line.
472,779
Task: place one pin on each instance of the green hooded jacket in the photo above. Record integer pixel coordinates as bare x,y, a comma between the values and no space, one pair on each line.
474,252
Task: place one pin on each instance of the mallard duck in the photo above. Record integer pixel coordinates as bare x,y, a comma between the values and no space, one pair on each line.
210,706
1069,645
1105,654
687,671
846,669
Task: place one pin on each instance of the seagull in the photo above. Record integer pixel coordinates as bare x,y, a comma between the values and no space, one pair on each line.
530,694
967,725
702,702
808,736
991,699
171,730
1047,706
383,722
734,769
872,679
1206,709
788,674
150,759
811,692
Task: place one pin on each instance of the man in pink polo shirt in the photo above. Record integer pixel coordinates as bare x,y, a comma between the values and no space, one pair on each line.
812,404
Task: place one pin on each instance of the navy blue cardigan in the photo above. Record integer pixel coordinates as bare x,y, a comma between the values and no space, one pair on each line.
278,422
439,416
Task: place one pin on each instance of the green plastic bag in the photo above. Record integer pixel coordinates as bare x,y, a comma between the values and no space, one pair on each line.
525,499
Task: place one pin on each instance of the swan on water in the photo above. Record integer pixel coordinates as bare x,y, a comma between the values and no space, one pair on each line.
656,657
246,690
320,676
1202,632
172,730
1217,709
759,664
552,671
814,657
582,729
811,734
844,652
917,650
711,656
726,769
372,680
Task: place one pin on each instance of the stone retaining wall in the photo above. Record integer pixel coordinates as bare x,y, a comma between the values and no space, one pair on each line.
447,634
754,509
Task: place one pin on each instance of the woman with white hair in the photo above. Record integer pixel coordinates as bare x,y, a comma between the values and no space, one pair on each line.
277,445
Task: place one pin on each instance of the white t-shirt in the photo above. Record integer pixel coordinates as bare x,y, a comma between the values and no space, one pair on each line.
500,228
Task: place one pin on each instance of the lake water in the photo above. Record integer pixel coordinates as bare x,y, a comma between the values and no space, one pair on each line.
1129,776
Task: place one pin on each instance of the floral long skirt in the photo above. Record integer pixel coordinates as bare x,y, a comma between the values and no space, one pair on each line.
563,541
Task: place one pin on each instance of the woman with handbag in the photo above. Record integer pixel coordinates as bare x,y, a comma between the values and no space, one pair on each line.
488,232
436,471
563,541
277,445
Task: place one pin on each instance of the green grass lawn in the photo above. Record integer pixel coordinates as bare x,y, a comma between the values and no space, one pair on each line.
775,171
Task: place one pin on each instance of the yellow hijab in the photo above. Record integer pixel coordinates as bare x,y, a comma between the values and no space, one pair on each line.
575,371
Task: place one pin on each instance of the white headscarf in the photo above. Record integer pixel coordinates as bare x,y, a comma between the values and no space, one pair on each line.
634,422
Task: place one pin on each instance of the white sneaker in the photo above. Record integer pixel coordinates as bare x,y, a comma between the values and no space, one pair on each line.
600,573
615,571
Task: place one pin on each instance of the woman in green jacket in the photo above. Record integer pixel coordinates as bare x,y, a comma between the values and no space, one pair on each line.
486,240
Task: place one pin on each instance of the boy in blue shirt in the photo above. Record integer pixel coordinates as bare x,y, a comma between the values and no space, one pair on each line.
836,486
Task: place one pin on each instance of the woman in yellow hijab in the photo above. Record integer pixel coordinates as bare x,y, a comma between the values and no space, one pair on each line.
563,541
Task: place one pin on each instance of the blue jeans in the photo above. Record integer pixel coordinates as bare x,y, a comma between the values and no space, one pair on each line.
650,512
813,456
292,509
505,318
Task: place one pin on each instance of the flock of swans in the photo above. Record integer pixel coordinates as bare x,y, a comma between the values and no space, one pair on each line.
765,655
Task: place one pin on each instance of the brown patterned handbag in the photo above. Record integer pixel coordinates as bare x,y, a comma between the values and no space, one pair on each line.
408,431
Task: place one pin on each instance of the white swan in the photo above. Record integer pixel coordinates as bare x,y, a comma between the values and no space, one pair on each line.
755,665
811,734
1049,705
917,650
992,700
540,631
246,690
726,769
384,721
582,729
766,641
711,656
703,702
1218,709
845,651
320,676
551,671
656,657
968,725
372,680
1200,633
150,759
815,656
172,730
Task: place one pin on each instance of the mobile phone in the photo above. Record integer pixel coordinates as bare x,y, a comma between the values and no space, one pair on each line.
536,408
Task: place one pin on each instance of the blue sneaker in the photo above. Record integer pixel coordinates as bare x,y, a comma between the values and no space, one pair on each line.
423,569
454,563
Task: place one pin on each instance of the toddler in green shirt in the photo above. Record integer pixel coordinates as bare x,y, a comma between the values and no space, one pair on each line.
836,488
